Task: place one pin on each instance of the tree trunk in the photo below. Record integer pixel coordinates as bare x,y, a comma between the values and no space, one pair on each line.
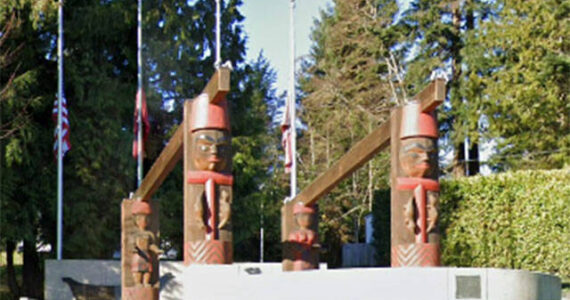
461,167
10,271
32,280
473,163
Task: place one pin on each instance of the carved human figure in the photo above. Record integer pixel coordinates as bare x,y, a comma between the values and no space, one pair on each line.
144,242
208,237
418,160
304,238
211,152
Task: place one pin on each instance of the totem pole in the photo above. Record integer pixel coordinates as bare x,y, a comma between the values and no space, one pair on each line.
415,187
302,241
139,250
208,182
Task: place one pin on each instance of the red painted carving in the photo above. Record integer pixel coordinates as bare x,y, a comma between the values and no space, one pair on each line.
415,255
303,239
209,252
207,115
208,202
418,162
420,186
210,179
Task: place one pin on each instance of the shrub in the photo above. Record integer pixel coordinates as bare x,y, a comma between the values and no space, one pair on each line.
517,220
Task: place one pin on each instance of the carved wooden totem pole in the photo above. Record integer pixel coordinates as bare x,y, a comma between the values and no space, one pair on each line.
415,187
302,241
208,182
139,250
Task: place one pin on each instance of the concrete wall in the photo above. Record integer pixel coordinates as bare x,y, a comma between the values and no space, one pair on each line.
267,281
202,282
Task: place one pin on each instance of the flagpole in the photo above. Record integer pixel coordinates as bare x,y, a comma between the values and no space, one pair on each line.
139,95
59,131
292,102
218,62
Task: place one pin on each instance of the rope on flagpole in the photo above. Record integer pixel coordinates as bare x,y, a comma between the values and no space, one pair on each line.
218,62
59,131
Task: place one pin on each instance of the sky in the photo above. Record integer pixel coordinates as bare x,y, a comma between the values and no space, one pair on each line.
267,27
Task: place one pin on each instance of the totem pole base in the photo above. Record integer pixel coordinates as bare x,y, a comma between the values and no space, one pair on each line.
208,252
141,293
416,255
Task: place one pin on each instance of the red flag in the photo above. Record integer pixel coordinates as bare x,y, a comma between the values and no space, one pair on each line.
286,138
145,124
66,144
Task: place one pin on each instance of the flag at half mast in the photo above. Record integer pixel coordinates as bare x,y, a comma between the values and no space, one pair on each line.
286,136
145,124
65,142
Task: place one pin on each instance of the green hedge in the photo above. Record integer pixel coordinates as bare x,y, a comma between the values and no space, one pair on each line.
517,220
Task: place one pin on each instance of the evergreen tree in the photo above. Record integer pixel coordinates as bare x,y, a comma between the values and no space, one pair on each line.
438,33
346,93
518,80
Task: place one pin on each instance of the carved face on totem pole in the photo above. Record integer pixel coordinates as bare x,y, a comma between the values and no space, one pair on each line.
303,216
418,148
210,183
211,149
418,156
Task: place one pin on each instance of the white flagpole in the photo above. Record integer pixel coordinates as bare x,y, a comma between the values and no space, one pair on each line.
59,131
218,62
139,97
292,103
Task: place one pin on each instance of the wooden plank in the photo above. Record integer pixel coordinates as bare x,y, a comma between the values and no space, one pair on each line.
219,85
165,162
348,163
432,96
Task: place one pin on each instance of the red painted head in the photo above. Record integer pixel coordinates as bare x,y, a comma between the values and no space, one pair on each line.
141,210
303,215
418,134
209,115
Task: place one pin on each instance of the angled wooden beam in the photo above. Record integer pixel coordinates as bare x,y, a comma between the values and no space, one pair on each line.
219,85
432,96
162,166
217,88
358,155
363,151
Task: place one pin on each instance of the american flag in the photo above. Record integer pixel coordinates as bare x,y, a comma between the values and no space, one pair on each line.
66,144
286,137
145,124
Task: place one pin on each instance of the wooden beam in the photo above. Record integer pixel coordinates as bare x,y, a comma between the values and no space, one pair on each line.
219,85
217,88
432,96
165,162
348,163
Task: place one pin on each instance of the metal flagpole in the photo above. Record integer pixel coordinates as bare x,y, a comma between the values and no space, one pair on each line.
59,131
139,95
218,62
292,103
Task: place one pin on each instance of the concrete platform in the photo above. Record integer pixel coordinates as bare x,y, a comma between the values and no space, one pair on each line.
266,281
